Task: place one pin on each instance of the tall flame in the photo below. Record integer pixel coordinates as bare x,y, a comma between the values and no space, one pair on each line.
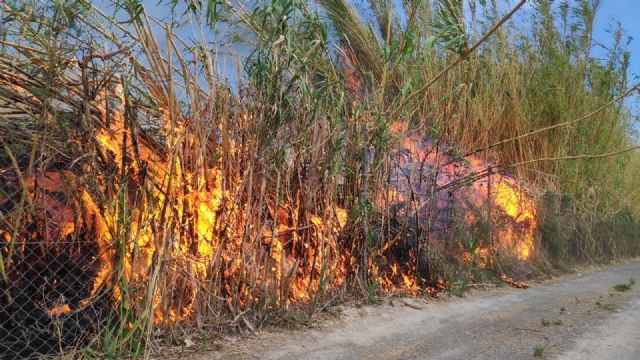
183,220
428,184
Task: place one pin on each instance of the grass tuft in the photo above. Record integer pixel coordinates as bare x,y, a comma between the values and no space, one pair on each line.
545,322
625,287
622,287
538,351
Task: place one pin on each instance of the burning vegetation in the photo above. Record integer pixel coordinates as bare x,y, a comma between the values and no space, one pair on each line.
176,222
140,191
162,234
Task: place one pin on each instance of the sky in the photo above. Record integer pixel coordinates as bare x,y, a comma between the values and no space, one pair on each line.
627,12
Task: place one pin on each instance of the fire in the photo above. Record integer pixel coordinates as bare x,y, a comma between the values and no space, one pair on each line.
424,166
512,200
168,226
207,215
168,218
204,203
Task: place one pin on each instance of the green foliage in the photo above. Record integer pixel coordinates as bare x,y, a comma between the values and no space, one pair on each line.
625,287
538,351
449,25
546,322
372,289
322,288
622,287
571,232
519,81
287,59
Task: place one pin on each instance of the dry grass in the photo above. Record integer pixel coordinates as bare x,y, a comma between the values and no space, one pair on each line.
145,132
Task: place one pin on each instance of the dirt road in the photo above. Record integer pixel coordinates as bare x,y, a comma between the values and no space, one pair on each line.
580,316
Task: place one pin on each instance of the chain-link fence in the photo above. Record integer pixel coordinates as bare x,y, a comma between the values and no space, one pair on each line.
50,298
46,299
48,269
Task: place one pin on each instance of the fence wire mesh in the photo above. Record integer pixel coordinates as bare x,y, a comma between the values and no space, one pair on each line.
48,294
50,298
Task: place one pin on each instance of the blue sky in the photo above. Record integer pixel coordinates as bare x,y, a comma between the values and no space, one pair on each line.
625,11
628,13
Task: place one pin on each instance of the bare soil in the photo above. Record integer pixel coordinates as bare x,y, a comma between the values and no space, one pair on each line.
580,316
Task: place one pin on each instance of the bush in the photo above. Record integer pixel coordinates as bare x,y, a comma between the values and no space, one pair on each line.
570,233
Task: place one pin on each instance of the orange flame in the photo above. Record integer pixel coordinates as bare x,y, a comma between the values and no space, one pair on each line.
189,220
